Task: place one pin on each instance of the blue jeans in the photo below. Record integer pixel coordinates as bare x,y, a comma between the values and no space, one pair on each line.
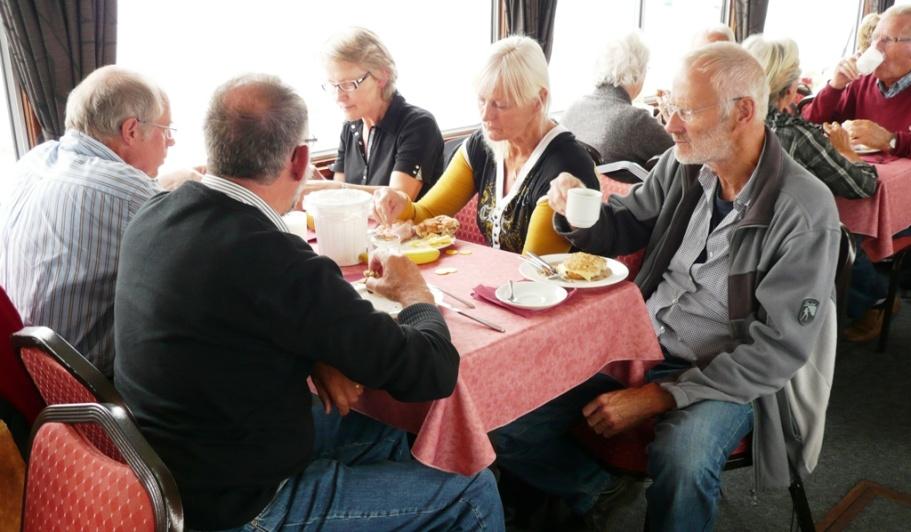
687,456
362,477
685,461
537,449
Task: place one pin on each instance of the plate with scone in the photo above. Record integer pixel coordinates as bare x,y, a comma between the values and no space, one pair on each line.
578,270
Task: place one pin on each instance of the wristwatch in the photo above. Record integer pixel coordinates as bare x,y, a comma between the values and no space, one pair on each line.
892,143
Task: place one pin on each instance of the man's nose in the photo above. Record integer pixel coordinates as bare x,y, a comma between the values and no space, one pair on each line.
675,124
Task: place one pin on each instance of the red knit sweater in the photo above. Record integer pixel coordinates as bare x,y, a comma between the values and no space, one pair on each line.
862,99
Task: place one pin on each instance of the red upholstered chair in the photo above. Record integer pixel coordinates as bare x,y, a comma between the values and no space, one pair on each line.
70,485
902,245
64,376
468,223
15,384
609,187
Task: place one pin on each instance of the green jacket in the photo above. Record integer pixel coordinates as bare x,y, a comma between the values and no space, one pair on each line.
783,255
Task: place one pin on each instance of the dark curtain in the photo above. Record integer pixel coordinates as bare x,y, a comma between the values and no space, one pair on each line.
882,5
54,45
534,18
749,17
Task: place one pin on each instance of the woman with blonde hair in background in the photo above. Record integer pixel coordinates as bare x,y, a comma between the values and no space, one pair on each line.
385,141
509,162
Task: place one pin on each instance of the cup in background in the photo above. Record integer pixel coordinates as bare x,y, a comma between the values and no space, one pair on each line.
391,244
583,207
869,60
297,223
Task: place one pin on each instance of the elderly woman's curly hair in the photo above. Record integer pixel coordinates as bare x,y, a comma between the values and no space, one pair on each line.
623,62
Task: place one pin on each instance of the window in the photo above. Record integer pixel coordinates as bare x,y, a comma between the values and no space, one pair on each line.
437,48
819,50
670,27
8,152
581,29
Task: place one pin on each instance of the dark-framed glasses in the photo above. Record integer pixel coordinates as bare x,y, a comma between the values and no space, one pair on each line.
345,86
687,115
169,132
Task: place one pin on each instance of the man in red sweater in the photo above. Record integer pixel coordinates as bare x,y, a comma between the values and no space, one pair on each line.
878,104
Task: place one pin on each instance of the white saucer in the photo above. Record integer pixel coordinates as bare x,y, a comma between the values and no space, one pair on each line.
863,149
532,295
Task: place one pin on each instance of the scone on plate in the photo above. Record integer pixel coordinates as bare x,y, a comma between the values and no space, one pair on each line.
438,225
583,267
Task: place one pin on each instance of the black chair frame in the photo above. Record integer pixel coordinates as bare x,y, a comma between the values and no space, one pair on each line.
136,451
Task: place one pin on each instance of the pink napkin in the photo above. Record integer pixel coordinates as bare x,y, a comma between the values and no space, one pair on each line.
488,293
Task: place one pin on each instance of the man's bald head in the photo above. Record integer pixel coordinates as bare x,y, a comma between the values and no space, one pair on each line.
253,125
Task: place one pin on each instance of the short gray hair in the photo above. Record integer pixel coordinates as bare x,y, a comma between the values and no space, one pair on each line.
362,47
623,62
111,94
734,72
721,30
895,11
253,124
518,66
780,59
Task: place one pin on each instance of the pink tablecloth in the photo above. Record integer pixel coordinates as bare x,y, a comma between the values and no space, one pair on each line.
886,213
503,376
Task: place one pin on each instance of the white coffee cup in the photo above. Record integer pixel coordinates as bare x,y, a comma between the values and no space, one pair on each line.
869,60
583,207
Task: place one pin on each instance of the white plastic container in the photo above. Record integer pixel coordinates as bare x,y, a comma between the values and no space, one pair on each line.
340,217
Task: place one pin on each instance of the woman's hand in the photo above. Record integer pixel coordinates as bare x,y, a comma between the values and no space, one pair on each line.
388,205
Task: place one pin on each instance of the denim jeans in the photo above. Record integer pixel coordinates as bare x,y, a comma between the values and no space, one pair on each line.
362,477
685,462
537,449
687,456
867,285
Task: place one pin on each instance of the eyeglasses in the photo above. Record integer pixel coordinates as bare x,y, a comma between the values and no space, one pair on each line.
310,140
169,131
887,40
687,115
345,86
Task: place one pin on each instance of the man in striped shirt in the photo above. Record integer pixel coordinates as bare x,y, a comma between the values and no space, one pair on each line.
62,225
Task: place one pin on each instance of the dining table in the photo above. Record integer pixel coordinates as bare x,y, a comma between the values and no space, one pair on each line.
887,212
503,375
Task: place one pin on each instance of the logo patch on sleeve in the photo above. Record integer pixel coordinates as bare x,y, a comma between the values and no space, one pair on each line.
807,311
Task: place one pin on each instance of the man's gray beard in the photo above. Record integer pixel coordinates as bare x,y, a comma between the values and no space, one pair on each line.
714,147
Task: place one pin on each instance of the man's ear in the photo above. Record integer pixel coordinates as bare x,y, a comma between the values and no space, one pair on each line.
744,109
300,160
130,130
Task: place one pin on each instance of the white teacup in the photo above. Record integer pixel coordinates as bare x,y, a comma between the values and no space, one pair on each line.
583,207
869,60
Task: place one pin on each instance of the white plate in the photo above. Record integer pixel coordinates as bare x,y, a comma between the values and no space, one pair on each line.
387,305
532,295
416,242
619,272
863,149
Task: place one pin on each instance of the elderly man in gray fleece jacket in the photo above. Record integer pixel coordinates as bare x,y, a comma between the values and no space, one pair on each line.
741,249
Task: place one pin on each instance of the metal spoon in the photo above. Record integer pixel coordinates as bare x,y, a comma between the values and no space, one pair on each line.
512,292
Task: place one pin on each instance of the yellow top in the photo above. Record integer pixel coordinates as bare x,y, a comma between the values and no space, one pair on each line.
454,190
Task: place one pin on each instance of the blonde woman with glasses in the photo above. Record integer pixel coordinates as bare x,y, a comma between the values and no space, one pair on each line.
385,141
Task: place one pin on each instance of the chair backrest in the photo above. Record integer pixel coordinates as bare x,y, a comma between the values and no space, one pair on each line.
70,485
846,252
64,376
623,171
15,384
468,223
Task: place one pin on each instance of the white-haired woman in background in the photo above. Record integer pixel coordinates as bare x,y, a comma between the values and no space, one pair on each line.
385,141
606,119
509,162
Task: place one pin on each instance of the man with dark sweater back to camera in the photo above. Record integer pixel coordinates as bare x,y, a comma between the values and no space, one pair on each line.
221,315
